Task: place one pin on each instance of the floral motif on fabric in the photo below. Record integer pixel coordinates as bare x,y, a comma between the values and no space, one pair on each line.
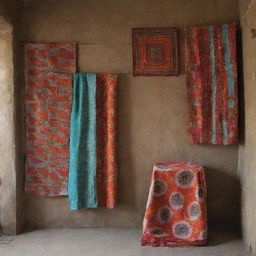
177,215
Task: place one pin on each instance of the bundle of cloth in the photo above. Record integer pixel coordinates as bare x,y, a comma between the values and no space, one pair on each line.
176,208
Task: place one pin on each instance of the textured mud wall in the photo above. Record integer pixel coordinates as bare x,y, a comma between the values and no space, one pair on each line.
8,214
151,113
247,150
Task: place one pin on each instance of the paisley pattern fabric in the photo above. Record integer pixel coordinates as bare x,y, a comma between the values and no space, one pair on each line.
211,71
82,187
48,96
176,208
106,139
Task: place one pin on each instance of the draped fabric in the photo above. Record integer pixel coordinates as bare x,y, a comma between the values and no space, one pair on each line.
48,96
82,184
176,208
93,168
211,71
106,139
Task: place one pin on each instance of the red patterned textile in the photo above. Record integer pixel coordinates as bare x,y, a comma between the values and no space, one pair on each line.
48,76
176,208
155,51
211,70
106,140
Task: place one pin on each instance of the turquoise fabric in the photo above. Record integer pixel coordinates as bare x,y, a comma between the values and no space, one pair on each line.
82,187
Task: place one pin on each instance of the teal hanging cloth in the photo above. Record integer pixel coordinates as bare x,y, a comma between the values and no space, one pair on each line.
82,186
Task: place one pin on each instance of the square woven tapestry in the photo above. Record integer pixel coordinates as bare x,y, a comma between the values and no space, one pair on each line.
155,51
48,74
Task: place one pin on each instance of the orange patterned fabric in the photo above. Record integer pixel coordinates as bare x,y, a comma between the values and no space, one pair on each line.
106,140
48,73
155,51
176,208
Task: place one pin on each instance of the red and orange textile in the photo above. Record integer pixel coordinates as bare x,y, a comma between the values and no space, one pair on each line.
48,96
176,208
211,74
155,51
106,109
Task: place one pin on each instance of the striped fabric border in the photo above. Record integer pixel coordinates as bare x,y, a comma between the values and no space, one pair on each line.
211,84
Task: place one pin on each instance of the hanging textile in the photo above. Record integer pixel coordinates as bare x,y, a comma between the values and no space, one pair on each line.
176,208
48,95
93,168
82,187
211,71
106,139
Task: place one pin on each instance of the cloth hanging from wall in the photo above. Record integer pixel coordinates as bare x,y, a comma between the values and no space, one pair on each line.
93,169
211,71
82,187
106,139
176,208
48,95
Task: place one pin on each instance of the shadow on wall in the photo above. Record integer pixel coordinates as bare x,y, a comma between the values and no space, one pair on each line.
8,218
222,190
241,100
126,178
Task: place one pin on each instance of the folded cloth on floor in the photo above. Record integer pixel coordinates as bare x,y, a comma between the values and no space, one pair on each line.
176,208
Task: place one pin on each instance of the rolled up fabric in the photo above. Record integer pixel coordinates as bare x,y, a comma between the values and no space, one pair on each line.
106,140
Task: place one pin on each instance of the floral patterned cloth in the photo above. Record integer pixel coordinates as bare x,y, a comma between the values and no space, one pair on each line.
106,140
48,96
176,208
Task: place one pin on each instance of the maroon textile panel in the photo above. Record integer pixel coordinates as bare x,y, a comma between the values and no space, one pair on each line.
211,71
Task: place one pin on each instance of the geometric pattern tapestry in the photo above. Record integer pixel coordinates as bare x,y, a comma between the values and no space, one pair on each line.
155,51
48,96
211,74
